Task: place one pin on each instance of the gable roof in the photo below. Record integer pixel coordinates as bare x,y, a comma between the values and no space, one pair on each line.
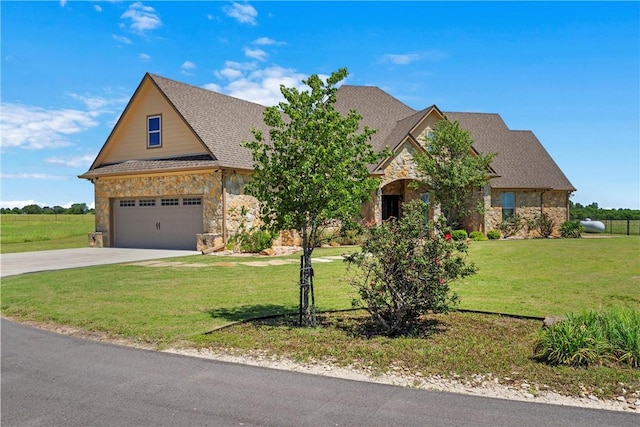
222,122
521,160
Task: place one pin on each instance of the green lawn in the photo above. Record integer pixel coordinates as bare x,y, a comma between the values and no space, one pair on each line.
27,233
179,304
526,277
540,277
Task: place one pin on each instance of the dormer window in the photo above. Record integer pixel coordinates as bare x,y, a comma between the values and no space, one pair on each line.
154,131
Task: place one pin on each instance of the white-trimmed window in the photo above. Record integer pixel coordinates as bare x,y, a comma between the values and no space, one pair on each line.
154,131
508,204
129,203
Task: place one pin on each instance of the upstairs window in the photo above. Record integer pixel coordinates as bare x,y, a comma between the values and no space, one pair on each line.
508,204
154,131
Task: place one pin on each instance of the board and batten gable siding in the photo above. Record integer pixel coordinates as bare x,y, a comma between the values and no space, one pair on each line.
129,139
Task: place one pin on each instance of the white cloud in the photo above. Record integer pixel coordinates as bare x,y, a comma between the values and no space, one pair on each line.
63,3
144,57
99,105
407,58
10,204
187,67
31,176
36,128
243,13
213,87
73,162
143,18
265,41
97,8
121,39
257,85
400,59
257,54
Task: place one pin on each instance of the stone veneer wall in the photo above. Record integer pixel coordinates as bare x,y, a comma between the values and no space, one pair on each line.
242,210
529,205
208,185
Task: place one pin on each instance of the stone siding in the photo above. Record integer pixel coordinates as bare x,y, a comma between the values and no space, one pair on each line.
208,185
529,204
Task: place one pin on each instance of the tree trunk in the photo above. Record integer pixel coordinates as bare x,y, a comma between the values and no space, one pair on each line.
307,299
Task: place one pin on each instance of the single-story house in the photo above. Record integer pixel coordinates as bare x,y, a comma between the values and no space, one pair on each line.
172,171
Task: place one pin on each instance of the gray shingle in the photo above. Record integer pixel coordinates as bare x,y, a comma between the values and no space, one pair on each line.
222,122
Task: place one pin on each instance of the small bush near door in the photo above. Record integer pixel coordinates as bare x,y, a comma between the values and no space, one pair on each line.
493,234
459,235
477,236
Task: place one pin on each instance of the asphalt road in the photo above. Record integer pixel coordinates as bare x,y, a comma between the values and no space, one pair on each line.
56,380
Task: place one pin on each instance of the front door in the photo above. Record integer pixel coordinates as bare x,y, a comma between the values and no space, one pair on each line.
391,207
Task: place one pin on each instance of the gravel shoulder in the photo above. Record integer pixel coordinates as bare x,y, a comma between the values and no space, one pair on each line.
482,385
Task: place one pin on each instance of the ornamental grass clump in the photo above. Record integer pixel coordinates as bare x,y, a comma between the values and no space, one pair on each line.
403,270
592,338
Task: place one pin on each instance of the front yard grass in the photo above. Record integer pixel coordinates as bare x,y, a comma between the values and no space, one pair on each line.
179,304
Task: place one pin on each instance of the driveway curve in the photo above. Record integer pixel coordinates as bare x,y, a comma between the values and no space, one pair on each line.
32,262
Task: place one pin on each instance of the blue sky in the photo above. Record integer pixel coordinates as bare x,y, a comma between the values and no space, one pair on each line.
570,72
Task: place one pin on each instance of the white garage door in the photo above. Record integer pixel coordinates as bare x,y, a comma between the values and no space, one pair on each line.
157,223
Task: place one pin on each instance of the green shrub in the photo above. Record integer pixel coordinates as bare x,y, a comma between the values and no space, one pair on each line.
571,229
542,224
511,225
459,235
477,236
592,338
403,270
252,240
493,234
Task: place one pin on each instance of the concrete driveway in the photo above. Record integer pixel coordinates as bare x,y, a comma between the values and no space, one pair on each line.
31,262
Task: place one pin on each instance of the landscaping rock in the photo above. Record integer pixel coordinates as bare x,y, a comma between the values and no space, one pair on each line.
268,251
552,320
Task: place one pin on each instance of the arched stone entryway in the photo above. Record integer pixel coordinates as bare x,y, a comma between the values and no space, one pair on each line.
394,194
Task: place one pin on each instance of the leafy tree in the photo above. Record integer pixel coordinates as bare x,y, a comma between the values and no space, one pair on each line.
32,209
404,269
310,171
78,208
453,170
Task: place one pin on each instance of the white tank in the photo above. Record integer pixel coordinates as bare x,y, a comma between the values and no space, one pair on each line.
591,226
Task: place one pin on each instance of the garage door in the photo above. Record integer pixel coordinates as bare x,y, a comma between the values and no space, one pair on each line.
157,223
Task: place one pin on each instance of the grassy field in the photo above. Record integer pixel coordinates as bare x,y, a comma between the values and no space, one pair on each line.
26,233
181,302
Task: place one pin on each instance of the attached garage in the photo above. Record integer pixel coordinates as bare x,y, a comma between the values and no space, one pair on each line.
168,222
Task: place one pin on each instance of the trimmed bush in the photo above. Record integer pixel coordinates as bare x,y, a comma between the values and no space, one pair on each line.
493,234
571,229
477,236
459,235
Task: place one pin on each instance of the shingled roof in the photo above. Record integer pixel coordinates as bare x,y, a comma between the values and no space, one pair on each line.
222,122
521,160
